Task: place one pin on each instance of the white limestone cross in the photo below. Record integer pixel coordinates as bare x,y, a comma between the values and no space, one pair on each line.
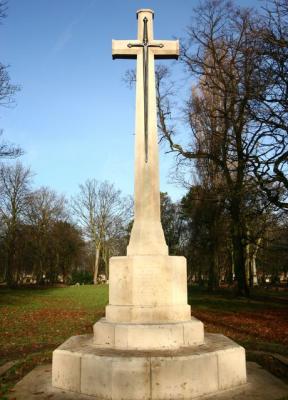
147,235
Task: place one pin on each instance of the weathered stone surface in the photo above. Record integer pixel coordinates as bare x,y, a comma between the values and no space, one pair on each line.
184,377
148,336
185,373
131,378
261,386
96,375
148,288
148,280
148,314
231,367
66,370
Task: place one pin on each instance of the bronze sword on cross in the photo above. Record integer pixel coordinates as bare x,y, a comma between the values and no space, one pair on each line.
130,49
145,45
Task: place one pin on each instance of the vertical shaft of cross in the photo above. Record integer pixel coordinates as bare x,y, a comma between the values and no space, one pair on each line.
147,235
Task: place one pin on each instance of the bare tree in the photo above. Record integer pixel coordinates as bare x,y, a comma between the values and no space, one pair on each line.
102,213
219,54
3,10
67,249
270,108
7,89
44,209
45,206
7,92
14,188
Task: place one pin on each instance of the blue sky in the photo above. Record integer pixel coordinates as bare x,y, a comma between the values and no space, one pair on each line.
75,116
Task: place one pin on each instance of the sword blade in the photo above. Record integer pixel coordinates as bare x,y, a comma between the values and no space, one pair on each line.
145,81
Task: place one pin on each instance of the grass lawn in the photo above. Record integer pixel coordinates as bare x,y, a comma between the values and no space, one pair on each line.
34,322
259,323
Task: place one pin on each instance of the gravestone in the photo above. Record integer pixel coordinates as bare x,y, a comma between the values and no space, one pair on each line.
147,346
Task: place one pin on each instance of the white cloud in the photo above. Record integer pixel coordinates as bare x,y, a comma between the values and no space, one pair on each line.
67,34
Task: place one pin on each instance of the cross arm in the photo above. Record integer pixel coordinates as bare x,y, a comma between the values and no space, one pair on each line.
120,49
170,49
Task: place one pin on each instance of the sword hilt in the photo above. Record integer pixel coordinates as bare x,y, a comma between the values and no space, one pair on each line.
145,32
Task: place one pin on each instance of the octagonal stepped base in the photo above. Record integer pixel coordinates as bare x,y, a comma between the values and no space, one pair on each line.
113,374
151,336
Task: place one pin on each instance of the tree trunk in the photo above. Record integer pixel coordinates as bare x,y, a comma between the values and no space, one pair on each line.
106,262
254,279
254,272
239,248
9,274
239,260
248,259
10,277
213,280
231,271
96,265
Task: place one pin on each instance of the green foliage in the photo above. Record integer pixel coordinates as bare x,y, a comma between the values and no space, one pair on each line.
172,223
82,277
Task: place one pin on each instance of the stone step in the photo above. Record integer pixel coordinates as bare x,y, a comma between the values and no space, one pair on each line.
185,373
148,336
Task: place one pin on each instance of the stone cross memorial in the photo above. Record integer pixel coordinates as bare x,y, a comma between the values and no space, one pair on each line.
147,235
148,346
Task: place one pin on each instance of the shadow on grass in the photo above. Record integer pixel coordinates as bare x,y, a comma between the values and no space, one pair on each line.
226,300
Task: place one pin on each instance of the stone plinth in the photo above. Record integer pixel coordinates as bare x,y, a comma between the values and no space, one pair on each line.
148,305
148,336
148,288
113,374
261,385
